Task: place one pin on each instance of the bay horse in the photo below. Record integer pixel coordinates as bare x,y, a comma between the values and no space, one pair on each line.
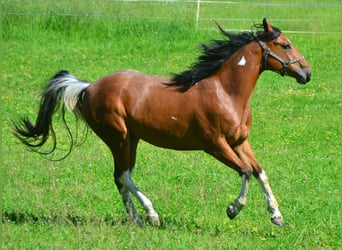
206,107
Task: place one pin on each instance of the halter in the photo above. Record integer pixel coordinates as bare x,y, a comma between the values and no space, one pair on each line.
267,52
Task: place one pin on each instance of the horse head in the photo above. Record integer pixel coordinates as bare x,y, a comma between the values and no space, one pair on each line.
280,55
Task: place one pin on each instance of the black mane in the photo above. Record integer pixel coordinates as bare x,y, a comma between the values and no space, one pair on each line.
215,54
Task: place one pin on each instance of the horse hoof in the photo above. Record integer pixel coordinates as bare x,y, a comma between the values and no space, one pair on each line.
154,220
278,220
231,212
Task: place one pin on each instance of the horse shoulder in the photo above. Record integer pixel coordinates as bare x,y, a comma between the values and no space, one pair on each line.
225,117
240,129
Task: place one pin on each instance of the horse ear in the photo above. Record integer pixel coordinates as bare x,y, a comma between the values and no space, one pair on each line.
267,25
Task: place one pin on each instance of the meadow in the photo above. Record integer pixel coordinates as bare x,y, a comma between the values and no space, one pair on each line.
74,204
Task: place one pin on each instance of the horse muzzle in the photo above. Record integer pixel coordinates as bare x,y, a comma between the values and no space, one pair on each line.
303,75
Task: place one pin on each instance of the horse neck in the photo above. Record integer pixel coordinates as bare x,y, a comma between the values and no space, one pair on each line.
239,74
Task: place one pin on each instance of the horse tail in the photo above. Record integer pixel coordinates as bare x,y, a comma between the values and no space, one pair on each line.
63,89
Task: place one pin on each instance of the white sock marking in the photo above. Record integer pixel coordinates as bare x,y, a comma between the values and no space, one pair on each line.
242,198
126,180
271,201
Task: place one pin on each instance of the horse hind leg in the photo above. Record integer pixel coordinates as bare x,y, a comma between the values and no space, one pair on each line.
126,180
124,191
129,205
124,164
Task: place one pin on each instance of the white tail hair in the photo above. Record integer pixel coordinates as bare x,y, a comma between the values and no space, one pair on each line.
68,87
63,87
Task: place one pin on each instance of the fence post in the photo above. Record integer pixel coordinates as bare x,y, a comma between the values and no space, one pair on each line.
198,12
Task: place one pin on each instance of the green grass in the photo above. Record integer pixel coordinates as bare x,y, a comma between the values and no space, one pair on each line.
74,204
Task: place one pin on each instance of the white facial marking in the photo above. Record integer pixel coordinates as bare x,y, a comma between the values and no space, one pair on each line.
242,61
173,118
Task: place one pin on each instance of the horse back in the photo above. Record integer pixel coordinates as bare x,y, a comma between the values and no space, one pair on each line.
133,102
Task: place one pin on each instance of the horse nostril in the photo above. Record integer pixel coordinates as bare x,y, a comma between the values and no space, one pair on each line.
308,76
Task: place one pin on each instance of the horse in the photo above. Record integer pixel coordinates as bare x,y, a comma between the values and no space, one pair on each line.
206,108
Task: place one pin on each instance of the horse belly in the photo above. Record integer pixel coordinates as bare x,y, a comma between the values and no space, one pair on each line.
171,135
165,129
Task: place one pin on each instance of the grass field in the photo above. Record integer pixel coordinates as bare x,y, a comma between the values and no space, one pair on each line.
73,204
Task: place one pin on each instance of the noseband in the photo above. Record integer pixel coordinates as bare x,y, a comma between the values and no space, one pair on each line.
267,52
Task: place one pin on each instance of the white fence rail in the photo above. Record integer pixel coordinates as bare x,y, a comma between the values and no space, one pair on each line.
292,17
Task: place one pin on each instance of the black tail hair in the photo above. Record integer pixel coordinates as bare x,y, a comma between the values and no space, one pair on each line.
34,136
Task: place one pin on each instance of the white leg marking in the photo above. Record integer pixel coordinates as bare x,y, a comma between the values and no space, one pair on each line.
272,203
126,180
241,200
147,204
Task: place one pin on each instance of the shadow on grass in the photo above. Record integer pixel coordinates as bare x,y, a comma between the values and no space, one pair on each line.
168,224
68,219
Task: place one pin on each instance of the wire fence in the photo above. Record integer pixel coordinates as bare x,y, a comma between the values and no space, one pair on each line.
291,16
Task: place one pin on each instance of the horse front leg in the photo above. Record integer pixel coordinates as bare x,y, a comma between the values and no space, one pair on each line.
246,155
224,153
241,200
272,203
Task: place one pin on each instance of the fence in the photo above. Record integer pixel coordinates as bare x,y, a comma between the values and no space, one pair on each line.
297,17
292,17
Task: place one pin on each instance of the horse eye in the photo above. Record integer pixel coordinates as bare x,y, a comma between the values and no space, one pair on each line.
286,46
